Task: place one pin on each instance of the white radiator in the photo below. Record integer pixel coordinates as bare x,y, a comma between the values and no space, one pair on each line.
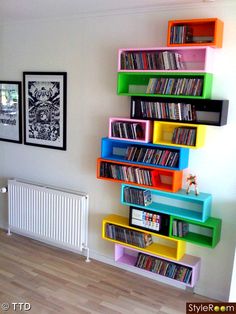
48,214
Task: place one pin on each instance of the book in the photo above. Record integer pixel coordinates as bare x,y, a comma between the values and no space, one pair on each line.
138,131
174,228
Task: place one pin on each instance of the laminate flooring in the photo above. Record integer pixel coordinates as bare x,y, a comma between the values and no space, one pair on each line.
52,280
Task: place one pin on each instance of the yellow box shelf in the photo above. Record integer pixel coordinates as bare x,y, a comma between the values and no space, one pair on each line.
162,245
179,134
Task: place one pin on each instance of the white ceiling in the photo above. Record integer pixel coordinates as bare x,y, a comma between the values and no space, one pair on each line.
20,10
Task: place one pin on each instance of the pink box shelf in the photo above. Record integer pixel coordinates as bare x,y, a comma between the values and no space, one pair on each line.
129,256
130,129
193,59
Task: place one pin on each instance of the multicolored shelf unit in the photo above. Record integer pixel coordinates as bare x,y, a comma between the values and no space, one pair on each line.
172,87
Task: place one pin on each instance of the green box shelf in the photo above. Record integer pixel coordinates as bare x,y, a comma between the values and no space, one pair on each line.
135,83
201,233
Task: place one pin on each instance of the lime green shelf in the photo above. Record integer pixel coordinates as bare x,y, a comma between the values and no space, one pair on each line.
135,83
201,233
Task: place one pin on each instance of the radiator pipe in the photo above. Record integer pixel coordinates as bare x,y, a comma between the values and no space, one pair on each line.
3,189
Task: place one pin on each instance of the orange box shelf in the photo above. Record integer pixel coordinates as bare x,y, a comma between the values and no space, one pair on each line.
195,32
144,176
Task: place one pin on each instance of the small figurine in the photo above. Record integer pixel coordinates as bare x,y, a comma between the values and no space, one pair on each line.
192,180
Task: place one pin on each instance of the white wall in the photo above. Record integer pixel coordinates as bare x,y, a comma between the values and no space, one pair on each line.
87,50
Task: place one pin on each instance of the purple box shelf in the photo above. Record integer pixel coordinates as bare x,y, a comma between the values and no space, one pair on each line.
128,256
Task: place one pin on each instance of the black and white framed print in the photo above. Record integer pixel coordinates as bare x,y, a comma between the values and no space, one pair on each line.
45,109
10,111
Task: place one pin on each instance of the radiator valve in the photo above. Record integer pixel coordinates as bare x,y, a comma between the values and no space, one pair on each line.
3,189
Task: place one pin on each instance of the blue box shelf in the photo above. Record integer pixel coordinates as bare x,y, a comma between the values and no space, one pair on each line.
179,204
117,150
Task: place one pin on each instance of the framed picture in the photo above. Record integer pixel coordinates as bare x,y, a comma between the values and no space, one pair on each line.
10,111
45,109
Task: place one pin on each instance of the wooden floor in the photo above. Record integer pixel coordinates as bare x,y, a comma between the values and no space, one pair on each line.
57,281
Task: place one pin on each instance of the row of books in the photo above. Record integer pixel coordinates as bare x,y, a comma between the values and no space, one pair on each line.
180,228
164,268
162,157
125,173
164,111
184,136
175,86
181,34
127,130
128,236
137,196
152,60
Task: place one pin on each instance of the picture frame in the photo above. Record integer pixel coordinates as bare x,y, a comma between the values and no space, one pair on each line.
11,111
45,97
